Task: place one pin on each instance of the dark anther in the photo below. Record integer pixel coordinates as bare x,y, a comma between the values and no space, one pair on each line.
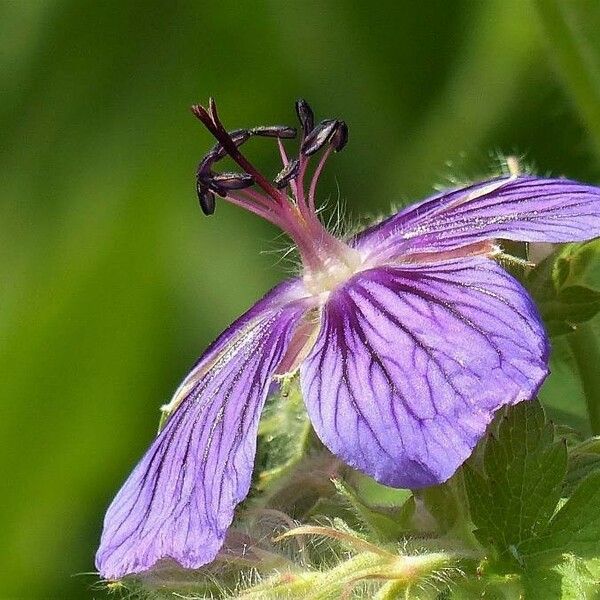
332,132
206,198
277,131
230,181
305,116
205,165
238,137
217,152
319,136
340,136
288,173
213,187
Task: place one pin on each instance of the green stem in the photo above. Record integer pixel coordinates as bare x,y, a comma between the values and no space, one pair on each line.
586,351
575,60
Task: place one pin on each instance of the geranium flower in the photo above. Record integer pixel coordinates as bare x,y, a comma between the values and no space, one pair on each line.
408,338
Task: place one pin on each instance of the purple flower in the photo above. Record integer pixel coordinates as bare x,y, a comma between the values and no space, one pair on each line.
407,337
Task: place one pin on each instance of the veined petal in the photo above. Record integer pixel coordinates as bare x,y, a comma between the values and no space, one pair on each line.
529,209
286,292
179,500
412,362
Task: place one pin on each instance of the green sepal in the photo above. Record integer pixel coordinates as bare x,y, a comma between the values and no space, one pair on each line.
448,505
284,432
383,523
583,460
566,286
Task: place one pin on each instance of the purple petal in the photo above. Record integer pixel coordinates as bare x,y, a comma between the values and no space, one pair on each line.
412,361
527,209
179,500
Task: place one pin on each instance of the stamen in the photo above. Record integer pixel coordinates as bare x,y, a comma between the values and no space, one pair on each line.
238,137
206,163
246,199
289,172
340,136
206,198
282,153
315,178
276,131
233,181
305,116
319,136
324,257
210,119
204,173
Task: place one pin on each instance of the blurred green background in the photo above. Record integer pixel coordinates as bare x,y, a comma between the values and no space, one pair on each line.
112,280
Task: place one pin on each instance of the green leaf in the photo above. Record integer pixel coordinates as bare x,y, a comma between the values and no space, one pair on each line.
513,499
575,528
583,460
566,286
542,583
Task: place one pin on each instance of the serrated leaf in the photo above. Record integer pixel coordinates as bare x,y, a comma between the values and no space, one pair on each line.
575,528
513,499
566,286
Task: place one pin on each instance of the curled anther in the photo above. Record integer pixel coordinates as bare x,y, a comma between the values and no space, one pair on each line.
206,198
205,181
276,131
339,138
305,116
216,153
204,168
231,181
319,136
289,172
238,137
